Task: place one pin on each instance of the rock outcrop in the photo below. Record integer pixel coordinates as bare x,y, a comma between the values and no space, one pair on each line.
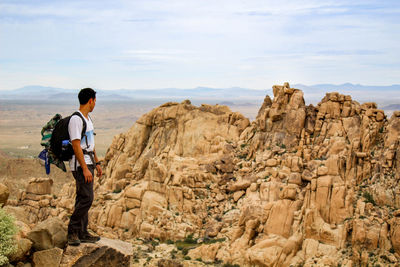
104,253
48,257
300,185
37,199
4,193
48,234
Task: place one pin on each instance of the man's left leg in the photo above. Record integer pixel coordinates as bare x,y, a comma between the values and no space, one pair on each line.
84,235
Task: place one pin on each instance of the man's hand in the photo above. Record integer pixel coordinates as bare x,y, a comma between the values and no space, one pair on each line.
88,175
99,171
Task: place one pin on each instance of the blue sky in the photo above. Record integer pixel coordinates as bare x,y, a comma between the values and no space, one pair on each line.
158,44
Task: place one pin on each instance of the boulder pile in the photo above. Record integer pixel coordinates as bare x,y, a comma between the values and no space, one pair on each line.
300,185
44,242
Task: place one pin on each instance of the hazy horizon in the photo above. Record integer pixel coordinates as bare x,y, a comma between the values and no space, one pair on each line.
201,86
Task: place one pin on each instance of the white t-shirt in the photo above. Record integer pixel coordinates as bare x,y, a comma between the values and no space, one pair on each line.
75,127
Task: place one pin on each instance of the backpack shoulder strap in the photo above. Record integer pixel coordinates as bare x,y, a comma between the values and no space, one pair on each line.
83,135
83,121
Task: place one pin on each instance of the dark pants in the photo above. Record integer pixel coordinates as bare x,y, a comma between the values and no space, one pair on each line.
83,201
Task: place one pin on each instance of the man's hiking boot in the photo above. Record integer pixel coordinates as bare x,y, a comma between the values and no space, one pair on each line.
73,239
88,238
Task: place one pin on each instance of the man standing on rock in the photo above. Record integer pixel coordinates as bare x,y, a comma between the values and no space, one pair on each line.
82,165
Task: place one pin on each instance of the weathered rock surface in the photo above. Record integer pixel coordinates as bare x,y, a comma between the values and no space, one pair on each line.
300,185
4,193
49,257
48,234
105,252
39,186
168,263
23,249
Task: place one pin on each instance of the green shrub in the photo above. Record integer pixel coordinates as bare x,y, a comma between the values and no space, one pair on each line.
231,265
243,156
190,240
368,198
7,232
154,243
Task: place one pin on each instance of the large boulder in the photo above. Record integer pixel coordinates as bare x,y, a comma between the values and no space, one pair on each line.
168,263
205,252
49,257
104,253
4,193
395,233
23,244
39,186
48,234
23,248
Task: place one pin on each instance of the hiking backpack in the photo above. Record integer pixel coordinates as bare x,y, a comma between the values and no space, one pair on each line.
60,133
56,140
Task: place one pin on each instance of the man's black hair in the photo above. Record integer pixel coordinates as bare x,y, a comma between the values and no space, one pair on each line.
85,95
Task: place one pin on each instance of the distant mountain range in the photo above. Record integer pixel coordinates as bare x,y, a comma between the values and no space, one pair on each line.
384,95
52,93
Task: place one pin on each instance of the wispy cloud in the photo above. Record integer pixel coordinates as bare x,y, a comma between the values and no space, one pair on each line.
143,20
356,52
161,56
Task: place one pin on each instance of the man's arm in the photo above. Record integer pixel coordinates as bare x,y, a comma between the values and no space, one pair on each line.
76,145
98,166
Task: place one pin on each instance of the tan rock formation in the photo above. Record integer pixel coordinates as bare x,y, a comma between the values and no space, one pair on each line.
300,185
4,193
39,186
49,257
23,249
48,234
105,252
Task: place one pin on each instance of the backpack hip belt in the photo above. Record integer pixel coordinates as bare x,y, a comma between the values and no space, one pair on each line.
85,152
